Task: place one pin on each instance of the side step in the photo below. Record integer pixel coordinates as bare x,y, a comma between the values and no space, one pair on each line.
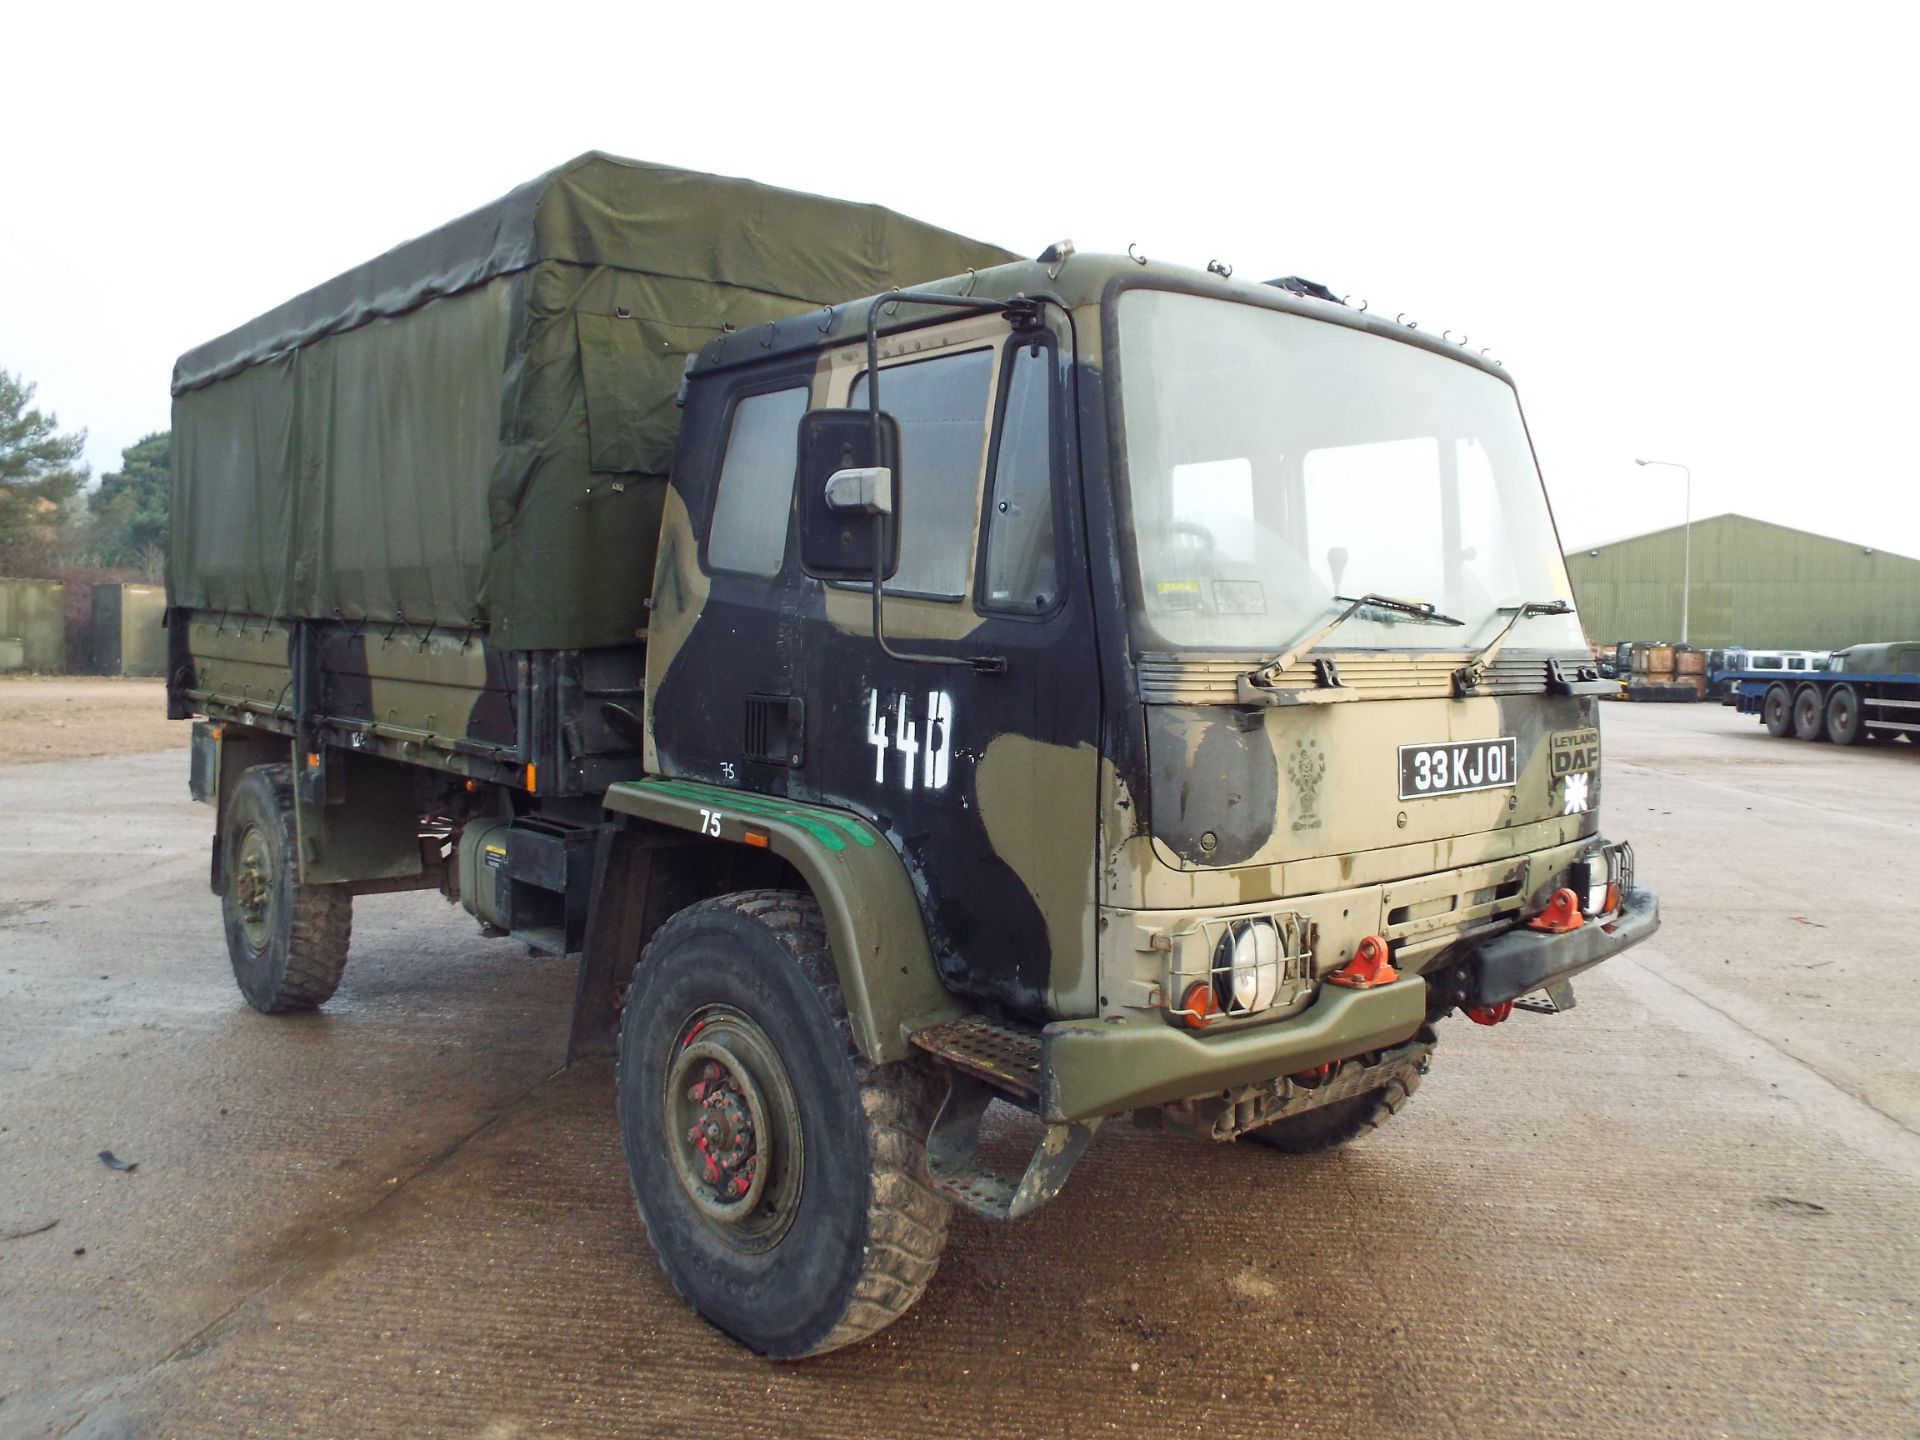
1006,1057
987,1061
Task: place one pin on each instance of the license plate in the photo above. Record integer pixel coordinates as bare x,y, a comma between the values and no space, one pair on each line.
1456,768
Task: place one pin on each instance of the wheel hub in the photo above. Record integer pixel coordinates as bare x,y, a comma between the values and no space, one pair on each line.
723,1135
252,887
733,1129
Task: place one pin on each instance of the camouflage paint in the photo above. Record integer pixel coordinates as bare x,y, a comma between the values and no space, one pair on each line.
1001,855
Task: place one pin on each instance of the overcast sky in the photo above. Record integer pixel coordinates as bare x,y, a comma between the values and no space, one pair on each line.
1689,231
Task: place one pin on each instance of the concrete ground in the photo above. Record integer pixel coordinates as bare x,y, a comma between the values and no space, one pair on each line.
1688,1208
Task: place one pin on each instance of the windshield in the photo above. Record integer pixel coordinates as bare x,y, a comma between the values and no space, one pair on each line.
1276,462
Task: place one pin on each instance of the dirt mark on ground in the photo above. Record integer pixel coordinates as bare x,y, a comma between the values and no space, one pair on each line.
74,717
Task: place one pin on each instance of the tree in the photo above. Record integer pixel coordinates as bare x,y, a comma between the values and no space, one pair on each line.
39,469
130,507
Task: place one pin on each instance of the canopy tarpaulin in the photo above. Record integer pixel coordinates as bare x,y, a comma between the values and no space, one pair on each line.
476,427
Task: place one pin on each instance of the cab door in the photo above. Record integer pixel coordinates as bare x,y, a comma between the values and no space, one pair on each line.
982,773
725,687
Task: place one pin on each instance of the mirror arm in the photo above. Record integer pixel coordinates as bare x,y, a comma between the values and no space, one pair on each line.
1028,308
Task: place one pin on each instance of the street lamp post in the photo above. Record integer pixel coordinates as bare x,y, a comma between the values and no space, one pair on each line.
1686,542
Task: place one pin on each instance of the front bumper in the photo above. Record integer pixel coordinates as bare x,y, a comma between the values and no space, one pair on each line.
1520,961
1100,1067
1093,1068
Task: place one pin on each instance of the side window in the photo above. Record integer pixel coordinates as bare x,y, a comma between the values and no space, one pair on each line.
1020,563
750,513
941,406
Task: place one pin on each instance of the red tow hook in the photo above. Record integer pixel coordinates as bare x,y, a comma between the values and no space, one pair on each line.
1561,915
1369,967
1490,1014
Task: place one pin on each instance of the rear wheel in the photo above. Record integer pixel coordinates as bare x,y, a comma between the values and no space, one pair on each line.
1809,714
1340,1123
1777,711
1844,726
783,1181
287,941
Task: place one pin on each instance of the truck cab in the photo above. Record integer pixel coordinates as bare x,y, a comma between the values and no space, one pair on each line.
1229,639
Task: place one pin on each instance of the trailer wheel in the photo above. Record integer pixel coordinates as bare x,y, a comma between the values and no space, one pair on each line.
783,1181
287,941
1810,713
1340,1123
1777,711
1844,726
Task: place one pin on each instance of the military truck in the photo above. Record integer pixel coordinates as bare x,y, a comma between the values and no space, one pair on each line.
910,677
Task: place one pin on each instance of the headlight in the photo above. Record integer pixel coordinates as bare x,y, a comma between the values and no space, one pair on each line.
1232,968
1246,966
1601,877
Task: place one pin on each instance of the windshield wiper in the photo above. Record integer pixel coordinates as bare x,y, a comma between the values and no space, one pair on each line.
1421,610
1467,678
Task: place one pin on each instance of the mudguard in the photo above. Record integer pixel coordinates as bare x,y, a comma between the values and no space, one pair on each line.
873,916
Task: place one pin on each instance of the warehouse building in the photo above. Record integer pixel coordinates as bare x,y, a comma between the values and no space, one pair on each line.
1755,584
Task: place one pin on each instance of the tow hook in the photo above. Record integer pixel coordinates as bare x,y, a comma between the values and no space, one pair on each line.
1369,967
1561,915
1490,1014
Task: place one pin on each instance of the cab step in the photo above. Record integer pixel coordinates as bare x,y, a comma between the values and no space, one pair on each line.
1005,1056
988,1060
958,1172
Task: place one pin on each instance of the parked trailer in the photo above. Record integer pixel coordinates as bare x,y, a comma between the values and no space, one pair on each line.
1866,692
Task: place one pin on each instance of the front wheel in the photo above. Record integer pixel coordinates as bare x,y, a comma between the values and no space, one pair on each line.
783,1181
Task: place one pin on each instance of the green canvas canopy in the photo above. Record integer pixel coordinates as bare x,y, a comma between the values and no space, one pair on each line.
475,428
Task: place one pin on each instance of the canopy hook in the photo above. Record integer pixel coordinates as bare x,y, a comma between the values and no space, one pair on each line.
1220,268
826,318
1401,319
1348,301
1136,258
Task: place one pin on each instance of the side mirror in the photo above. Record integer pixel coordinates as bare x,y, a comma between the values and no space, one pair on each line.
849,495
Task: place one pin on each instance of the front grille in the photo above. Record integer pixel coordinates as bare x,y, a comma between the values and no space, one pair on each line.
1439,907
1214,679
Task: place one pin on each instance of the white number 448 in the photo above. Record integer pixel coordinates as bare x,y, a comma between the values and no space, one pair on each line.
924,756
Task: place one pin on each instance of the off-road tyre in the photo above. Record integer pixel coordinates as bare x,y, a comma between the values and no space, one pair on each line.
289,947
1340,1123
866,1228
1845,726
1777,710
1809,713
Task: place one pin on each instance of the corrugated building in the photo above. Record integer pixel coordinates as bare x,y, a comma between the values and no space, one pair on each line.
1754,583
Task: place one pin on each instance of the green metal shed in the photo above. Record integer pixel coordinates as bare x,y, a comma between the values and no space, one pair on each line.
33,627
1754,583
